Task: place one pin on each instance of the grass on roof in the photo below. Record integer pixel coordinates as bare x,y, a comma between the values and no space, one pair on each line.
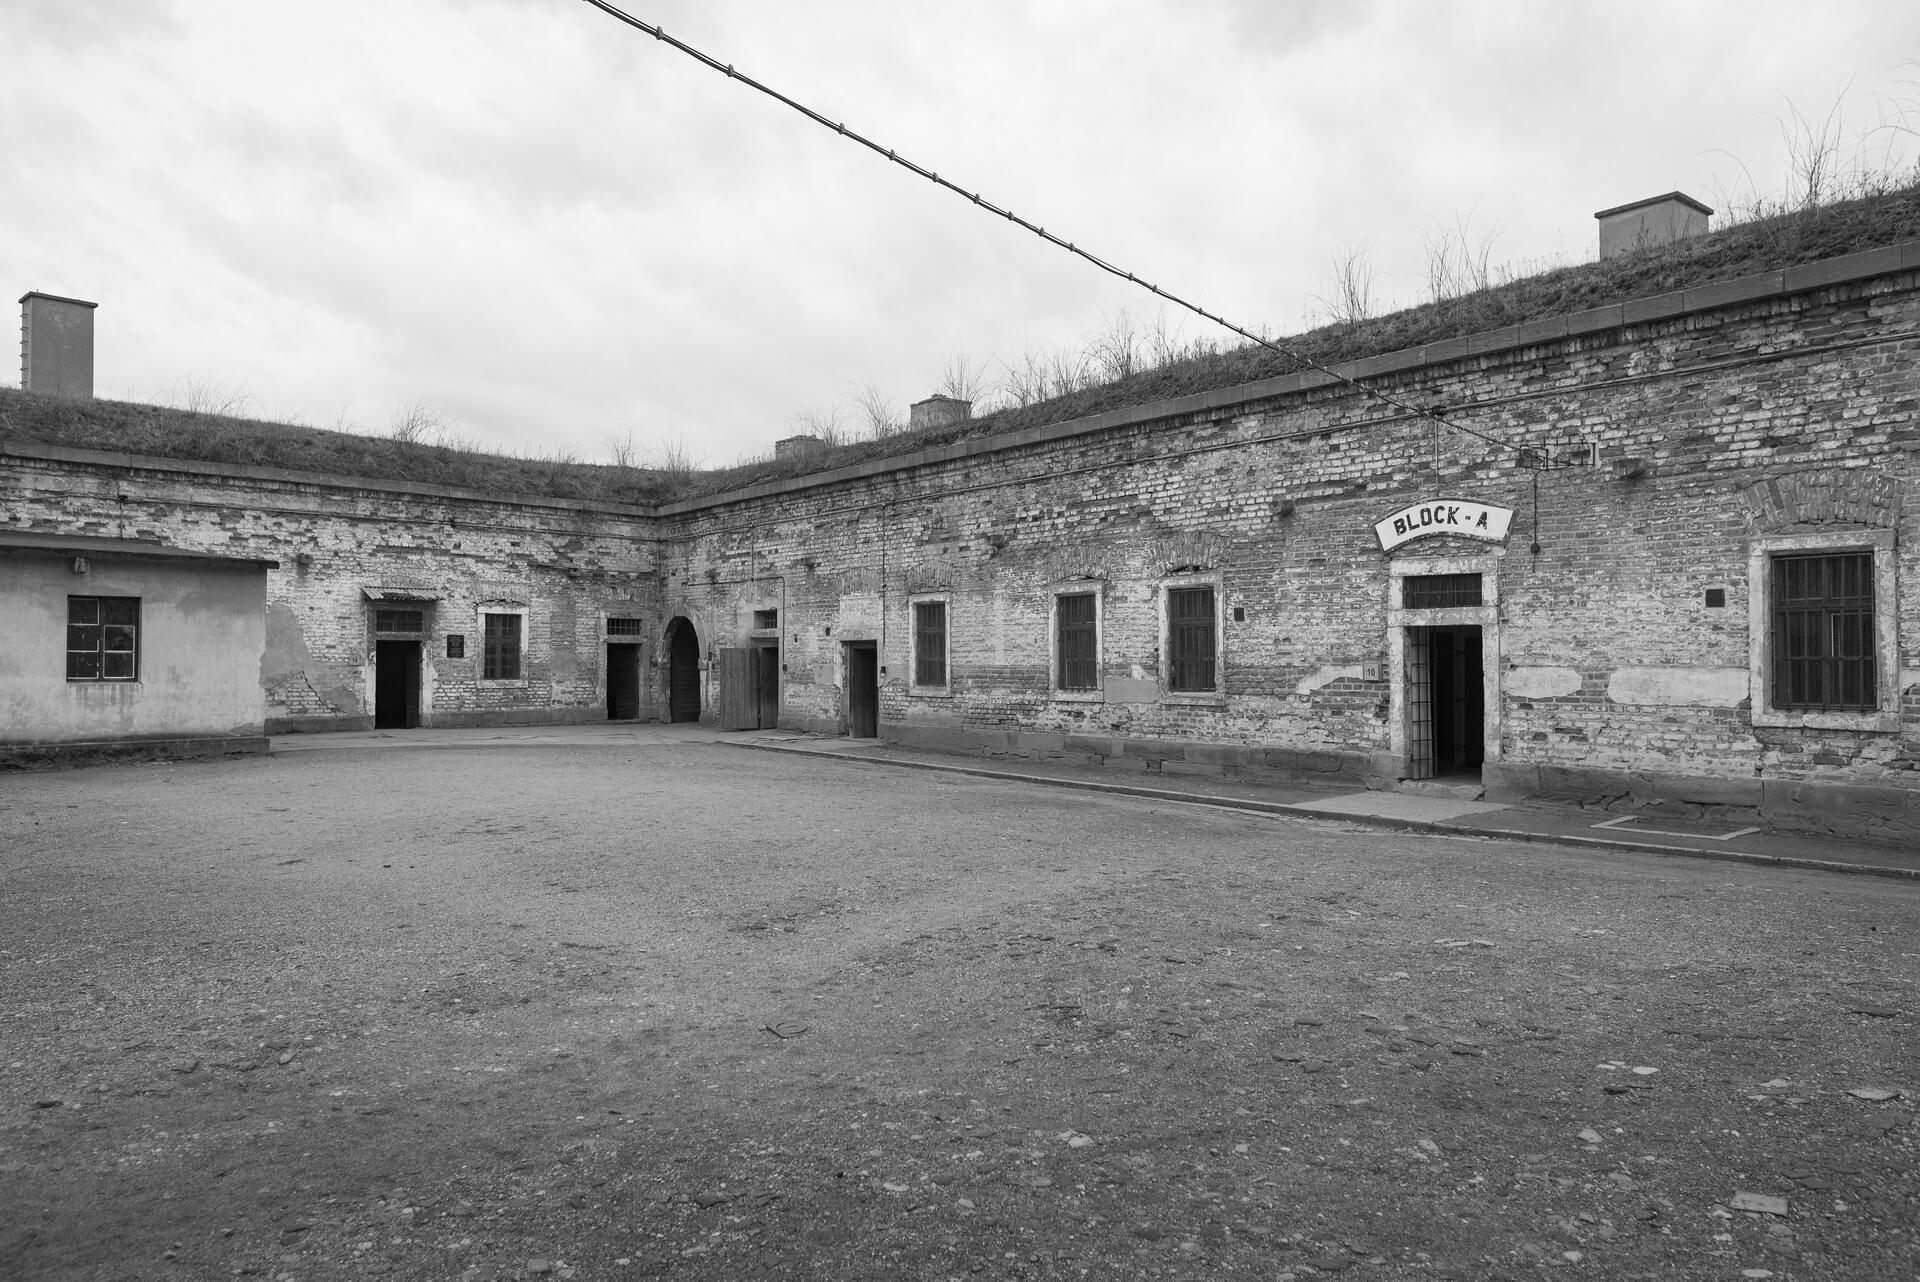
185,434
1764,244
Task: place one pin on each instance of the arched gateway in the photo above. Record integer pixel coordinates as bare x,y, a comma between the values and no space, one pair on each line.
683,671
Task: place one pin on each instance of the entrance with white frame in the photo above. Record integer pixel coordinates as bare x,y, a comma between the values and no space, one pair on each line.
1443,657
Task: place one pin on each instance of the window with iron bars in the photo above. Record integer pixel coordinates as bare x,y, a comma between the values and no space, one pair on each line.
406,623
1192,641
1823,632
930,643
623,627
500,654
1439,591
1076,642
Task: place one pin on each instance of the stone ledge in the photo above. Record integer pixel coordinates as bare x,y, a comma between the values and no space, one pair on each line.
40,756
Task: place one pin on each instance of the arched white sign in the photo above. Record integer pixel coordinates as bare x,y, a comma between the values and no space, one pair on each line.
1444,516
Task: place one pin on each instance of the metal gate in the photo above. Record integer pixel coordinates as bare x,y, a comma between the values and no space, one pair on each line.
1419,678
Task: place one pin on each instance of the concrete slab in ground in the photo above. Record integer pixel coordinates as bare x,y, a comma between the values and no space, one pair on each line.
1398,805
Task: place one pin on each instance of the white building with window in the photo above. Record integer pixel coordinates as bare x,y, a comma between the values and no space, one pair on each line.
121,645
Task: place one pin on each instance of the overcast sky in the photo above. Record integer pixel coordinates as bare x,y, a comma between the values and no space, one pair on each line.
553,231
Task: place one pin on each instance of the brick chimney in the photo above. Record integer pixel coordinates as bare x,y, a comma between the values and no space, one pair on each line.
1658,220
56,345
938,411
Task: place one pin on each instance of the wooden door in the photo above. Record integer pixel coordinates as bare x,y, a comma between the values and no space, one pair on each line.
863,690
738,710
766,686
623,682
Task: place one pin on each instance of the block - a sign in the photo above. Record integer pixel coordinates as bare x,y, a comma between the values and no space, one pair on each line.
1444,516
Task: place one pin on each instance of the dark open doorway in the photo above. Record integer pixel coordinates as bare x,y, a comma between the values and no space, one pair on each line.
683,672
863,689
766,686
1446,702
623,681
396,685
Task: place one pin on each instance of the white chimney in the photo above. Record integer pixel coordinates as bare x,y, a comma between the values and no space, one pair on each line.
1658,220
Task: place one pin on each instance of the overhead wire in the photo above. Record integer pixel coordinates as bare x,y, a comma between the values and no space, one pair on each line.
1435,414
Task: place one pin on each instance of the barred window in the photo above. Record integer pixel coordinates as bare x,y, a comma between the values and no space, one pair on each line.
1192,640
619,627
1823,632
103,638
1076,642
1439,591
930,643
500,659
409,623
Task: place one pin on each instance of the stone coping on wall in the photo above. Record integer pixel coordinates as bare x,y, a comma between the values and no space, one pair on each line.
1845,269
1783,282
281,476
91,546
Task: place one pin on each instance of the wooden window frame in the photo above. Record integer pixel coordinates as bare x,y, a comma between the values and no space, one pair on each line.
1883,716
943,688
1057,689
98,649
485,647
1217,694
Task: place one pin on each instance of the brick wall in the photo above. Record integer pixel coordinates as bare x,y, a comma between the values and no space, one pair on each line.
565,564
1274,492
1722,417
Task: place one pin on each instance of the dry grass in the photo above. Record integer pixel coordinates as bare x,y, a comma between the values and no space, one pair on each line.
406,455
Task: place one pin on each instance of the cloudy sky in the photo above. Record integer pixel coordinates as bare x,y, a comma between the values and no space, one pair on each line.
554,232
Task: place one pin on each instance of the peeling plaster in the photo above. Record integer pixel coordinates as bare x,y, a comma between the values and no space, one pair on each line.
1540,683
1326,676
1679,687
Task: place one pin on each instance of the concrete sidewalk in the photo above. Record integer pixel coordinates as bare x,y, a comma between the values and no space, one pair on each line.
1407,811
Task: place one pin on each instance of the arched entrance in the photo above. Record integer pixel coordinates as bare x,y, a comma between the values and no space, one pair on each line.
683,671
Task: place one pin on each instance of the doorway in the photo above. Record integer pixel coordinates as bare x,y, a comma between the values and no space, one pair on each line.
863,690
1446,702
766,686
623,681
683,672
396,685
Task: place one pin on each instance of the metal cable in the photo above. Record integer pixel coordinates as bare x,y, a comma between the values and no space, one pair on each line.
1432,413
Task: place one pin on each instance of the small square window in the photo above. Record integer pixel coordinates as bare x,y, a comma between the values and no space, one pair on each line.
763,619
456,646
103,638
1716,598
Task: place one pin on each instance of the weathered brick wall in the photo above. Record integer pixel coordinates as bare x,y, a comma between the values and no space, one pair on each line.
1615,678
566,564
1275,490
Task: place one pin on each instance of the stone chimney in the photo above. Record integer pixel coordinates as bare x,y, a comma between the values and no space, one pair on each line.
56,346
938,411
1658,220
795,446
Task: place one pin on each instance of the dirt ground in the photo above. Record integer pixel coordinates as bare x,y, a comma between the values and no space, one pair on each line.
696,1011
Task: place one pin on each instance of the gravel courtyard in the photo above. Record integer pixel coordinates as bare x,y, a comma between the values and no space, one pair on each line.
695,1011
